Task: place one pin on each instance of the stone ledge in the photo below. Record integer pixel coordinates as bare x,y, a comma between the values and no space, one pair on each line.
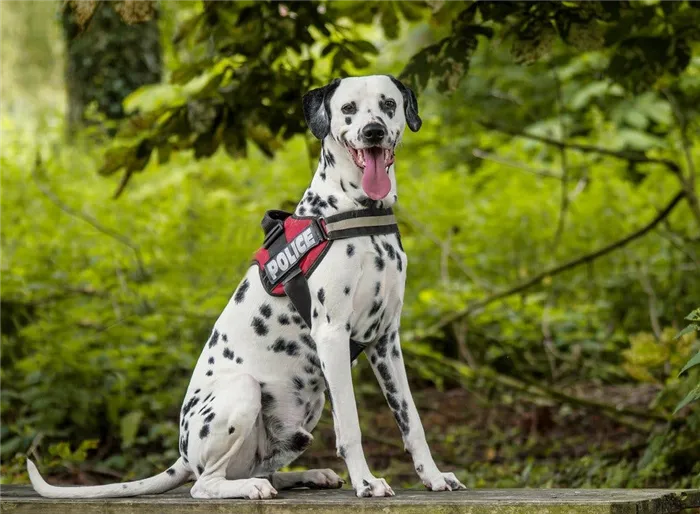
22,499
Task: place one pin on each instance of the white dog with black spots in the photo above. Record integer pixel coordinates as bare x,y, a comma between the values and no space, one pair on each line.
257,391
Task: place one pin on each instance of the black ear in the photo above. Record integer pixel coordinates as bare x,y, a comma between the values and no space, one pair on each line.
410,105
317,113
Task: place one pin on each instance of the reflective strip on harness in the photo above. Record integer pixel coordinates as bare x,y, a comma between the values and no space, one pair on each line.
352,227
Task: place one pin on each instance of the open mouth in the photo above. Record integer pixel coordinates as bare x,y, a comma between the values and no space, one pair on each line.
374,163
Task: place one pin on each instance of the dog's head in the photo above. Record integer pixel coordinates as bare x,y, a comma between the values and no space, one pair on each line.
367,116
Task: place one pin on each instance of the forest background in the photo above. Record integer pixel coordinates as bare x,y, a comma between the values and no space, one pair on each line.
549,207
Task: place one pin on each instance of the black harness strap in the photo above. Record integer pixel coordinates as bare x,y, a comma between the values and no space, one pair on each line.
366,222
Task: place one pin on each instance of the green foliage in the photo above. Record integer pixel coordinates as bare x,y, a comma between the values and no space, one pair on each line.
694,394
108,58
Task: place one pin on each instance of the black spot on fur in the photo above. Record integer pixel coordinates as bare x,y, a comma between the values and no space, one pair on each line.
239,360
348,120
328,318
382,346
214,339
379,263
390,387
342,186
200,469
279,345
170,471
207,397
283,319
242,290
389,250
315,313
298,382
266,310
395,352
204,432
376,305
350,250
330,158
342,453
224,338
259,326
306,339
292,348
377,288
210,417
209,373
346,291
321,296
373,359
211,359
353,185
299,442
297,319
347,327
419,468
302,210
197,390
313,360
231,430
391,400
333,202
267,400
228,354
383,370
323,175
310,370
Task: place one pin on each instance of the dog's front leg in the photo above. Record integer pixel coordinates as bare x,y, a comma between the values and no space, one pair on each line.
387,362
333,346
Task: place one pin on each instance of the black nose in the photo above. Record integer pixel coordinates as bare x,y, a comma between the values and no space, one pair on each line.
373,133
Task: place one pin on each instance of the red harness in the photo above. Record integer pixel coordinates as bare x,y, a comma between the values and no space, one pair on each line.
293,226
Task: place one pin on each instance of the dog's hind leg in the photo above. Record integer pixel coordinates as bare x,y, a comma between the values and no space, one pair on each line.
222,437
313,478
386,359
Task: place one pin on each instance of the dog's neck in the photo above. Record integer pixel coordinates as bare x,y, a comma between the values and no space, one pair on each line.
336,185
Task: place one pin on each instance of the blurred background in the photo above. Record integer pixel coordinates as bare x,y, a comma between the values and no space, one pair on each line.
549,207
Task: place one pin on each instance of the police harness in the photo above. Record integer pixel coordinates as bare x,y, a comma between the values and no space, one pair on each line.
295,245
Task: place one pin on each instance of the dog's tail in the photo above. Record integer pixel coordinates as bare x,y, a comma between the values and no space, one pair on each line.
175,476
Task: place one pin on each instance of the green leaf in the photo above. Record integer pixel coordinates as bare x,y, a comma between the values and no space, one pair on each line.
695,361
692,396
694,316
129,427
687,330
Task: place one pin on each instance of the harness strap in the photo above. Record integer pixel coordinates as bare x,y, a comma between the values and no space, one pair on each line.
367,222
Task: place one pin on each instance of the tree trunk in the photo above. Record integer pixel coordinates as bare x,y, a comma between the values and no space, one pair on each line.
105,61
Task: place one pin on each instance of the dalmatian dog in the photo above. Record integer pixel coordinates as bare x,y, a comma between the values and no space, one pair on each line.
257,390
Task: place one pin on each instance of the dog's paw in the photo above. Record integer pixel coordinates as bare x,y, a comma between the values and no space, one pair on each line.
257,489
321,479
444,482
377,487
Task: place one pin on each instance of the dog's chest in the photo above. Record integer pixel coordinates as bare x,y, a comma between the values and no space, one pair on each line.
372,272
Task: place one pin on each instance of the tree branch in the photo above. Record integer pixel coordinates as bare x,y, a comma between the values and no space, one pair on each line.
558,269
46,190
482,154
624,155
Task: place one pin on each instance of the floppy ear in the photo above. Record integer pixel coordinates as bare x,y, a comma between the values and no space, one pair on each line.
317,111
410,105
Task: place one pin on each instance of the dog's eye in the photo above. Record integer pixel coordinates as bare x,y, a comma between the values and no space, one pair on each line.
349,108
389,104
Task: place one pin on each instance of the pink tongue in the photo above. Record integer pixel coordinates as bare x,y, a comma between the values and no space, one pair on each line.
375,180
